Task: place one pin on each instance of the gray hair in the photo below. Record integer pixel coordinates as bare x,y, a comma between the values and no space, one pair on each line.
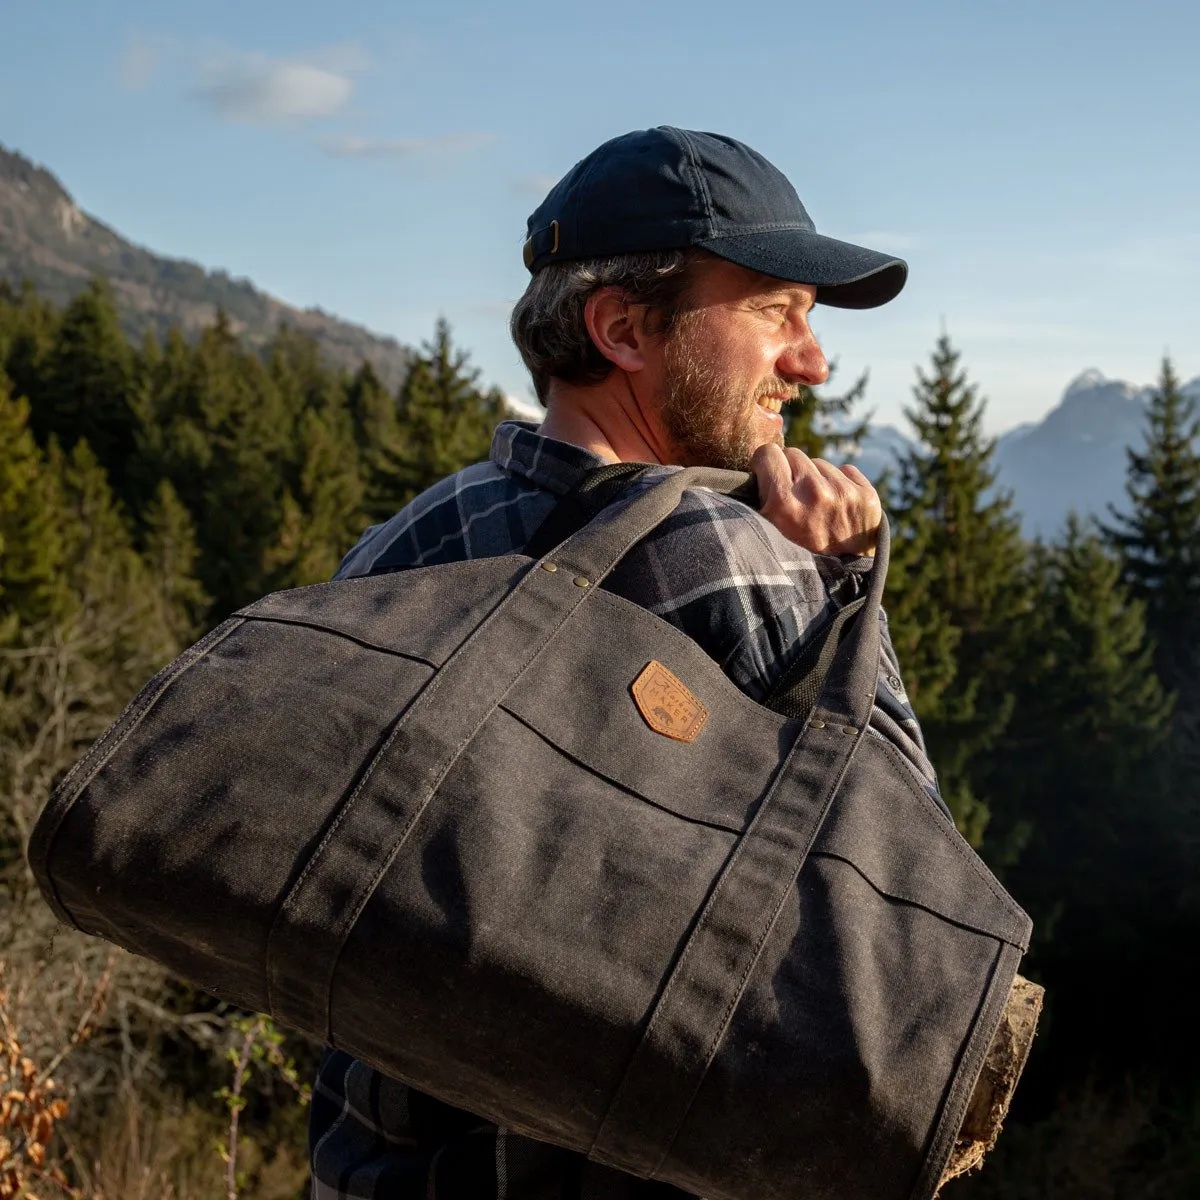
547,322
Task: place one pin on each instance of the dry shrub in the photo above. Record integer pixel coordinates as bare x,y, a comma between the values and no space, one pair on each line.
163,1147
30,1108
136,1055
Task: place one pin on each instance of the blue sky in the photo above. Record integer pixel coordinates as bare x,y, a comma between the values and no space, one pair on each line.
1038,164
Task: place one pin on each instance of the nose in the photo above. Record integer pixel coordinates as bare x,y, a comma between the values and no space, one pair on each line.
803,360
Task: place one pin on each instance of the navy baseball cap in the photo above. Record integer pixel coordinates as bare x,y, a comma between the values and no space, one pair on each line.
668,188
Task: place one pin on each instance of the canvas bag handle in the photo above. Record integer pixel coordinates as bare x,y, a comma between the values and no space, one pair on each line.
323,905
701,995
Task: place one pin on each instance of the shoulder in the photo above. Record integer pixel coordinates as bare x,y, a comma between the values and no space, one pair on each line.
712,542
720,572
476,512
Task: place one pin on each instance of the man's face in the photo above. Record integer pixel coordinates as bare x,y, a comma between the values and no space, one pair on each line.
743,348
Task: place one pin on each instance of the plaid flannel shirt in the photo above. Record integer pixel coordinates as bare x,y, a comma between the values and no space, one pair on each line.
723,575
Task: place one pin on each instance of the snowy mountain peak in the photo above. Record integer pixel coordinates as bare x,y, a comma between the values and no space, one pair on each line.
1085,381
1094,383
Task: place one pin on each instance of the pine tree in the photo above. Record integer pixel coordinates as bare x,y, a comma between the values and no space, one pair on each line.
219,429
374,413
30,325
1159,537
30,541
1159,543
294,364
87,385
322,516
446,421
1082,753
956,591
170,553
373,410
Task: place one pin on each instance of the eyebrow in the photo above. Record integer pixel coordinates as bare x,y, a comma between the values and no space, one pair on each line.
780,287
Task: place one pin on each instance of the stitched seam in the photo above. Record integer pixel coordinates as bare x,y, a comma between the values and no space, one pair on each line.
956,840
302,623
701,182
910,901
702,924
398,844
291,899
632,792
111,740
765,227
735,1000
991,1005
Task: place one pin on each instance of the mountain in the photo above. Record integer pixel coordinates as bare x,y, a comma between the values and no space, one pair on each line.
877,450
1072,459
46,238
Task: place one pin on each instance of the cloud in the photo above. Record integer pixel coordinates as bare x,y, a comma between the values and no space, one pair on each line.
348,146
140,61
256,90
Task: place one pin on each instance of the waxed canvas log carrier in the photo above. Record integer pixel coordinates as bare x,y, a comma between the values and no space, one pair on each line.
520,843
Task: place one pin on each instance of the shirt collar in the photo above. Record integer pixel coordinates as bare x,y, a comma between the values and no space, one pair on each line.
518,449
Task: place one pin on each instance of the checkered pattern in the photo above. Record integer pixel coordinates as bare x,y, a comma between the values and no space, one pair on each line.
729,580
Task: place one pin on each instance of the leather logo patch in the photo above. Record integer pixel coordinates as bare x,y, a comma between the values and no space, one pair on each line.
668,707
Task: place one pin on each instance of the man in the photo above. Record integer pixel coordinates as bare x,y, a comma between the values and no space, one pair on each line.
667,322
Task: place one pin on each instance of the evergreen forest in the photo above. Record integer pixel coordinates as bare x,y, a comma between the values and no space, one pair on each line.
146,491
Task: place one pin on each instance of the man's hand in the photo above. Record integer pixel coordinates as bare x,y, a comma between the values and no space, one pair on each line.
825,509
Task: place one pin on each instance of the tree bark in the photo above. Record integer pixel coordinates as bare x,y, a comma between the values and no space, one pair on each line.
997,1081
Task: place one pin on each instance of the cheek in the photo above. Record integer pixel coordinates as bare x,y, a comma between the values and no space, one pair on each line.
749,356
737,356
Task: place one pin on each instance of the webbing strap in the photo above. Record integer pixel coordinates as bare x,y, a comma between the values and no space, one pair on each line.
799,688
702,993
796,691
426,739
595,491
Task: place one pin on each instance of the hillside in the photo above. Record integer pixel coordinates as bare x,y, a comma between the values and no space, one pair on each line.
46,238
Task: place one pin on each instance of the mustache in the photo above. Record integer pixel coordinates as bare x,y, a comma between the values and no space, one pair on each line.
787,392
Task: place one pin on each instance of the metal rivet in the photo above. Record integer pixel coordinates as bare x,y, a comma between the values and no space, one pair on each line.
817,724
550,567
581,582
849,729
894,683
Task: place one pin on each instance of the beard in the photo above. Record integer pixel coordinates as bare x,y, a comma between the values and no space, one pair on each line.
708,414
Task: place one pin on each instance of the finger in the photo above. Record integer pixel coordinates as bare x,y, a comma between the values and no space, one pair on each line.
809,483
832,475
852,472
774,474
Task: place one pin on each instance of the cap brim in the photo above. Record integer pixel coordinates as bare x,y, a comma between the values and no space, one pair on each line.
845,275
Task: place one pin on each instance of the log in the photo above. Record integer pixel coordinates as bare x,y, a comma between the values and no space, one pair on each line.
997,1081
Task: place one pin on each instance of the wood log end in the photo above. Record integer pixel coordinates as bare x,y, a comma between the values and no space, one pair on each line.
1002,1067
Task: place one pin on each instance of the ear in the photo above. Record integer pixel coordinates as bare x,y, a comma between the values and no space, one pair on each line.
617,328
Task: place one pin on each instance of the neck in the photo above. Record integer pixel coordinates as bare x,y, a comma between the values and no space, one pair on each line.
609,419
